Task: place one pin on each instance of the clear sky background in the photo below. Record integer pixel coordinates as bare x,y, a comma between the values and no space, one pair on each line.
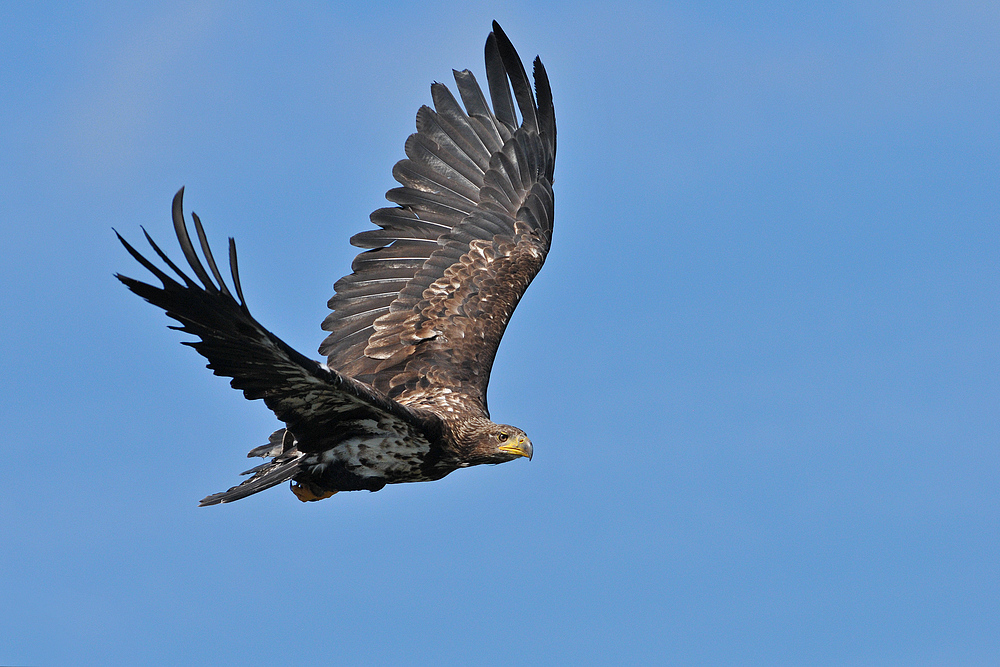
760,368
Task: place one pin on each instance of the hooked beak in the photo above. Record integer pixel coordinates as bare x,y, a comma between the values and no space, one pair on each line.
520,448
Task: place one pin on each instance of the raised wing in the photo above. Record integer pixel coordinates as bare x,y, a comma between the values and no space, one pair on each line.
422,314
315,403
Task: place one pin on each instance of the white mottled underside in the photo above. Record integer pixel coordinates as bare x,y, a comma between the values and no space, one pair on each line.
388,452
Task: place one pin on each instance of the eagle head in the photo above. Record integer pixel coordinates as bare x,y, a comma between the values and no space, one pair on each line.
509,443
485,442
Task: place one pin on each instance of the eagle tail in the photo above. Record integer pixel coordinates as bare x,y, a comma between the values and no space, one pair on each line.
286,465
264,477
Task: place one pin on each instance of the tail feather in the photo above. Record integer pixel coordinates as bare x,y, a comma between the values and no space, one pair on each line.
278,443
286,464
265,476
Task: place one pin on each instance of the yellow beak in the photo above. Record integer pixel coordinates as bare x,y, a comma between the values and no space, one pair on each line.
520,448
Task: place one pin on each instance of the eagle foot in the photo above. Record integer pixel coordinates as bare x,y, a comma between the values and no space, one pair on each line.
307,492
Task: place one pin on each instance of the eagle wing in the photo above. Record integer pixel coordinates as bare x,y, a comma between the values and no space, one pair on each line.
421,316
316,403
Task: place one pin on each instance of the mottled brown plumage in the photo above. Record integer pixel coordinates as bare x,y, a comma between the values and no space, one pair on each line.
414,329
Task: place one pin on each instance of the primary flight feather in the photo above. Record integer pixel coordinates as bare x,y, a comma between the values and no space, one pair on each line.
414,329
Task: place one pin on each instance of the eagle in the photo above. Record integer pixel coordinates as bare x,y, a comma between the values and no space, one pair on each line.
414,329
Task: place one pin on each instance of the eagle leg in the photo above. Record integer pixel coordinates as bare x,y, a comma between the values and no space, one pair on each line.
307,492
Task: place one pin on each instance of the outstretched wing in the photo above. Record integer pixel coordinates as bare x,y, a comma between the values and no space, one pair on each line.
315,403
422,314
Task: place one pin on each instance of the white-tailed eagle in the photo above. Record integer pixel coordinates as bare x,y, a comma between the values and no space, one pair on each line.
415,327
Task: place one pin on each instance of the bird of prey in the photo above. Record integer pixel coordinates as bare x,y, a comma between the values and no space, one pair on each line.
414,329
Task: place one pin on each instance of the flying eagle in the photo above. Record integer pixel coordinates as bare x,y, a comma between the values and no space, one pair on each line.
414,329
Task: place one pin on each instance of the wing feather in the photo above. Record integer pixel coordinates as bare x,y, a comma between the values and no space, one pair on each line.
471,228
518,78
453,124
448,137
496,79
308,397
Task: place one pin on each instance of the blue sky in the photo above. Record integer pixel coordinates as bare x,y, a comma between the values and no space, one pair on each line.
760,368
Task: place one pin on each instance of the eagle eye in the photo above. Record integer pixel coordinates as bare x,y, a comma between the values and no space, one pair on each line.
502,437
